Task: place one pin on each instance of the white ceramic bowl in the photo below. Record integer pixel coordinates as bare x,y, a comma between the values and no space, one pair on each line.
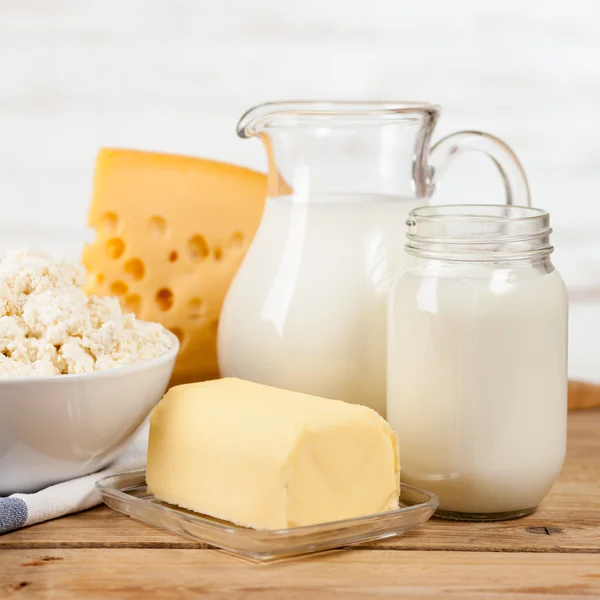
57,428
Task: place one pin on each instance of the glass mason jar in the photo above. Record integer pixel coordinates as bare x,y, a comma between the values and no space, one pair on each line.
477,359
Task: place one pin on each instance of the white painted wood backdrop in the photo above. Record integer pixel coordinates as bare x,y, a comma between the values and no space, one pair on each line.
175,75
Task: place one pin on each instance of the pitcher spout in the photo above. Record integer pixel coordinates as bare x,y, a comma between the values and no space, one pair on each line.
254,120
325,147
299,112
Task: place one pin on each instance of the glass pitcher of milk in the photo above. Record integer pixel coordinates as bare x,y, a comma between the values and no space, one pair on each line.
307,308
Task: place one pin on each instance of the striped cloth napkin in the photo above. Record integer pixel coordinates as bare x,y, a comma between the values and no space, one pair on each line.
20,510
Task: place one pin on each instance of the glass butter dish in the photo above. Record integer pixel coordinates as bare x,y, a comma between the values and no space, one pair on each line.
127,493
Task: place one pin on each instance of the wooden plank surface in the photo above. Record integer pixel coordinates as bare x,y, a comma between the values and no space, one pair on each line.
583,395
554,553
176,573
567,521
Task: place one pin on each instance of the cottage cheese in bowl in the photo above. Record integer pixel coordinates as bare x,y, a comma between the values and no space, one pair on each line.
77,376
48,326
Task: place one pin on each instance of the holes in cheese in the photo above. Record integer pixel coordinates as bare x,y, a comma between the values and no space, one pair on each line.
172,213
115,248
218,253
237,238
119,288
157,226
164,298
195,308
132,303
109,222
135,268
198,247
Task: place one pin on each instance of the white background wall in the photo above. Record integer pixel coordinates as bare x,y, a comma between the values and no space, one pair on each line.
175,75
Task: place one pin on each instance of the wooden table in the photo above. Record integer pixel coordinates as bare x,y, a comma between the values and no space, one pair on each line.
554,552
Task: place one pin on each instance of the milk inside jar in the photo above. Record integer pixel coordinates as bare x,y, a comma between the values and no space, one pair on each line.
307,309
312,315
477,364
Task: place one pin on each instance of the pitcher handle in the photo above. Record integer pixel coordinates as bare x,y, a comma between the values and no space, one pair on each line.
448,148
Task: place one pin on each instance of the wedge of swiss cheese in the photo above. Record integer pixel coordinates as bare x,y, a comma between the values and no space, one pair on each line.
171,233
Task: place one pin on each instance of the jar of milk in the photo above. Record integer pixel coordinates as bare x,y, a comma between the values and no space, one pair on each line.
477,359
307,309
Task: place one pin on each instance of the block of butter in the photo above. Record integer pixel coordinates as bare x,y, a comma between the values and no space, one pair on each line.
267,458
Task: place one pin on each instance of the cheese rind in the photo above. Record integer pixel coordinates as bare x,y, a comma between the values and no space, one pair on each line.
171,233
267,458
